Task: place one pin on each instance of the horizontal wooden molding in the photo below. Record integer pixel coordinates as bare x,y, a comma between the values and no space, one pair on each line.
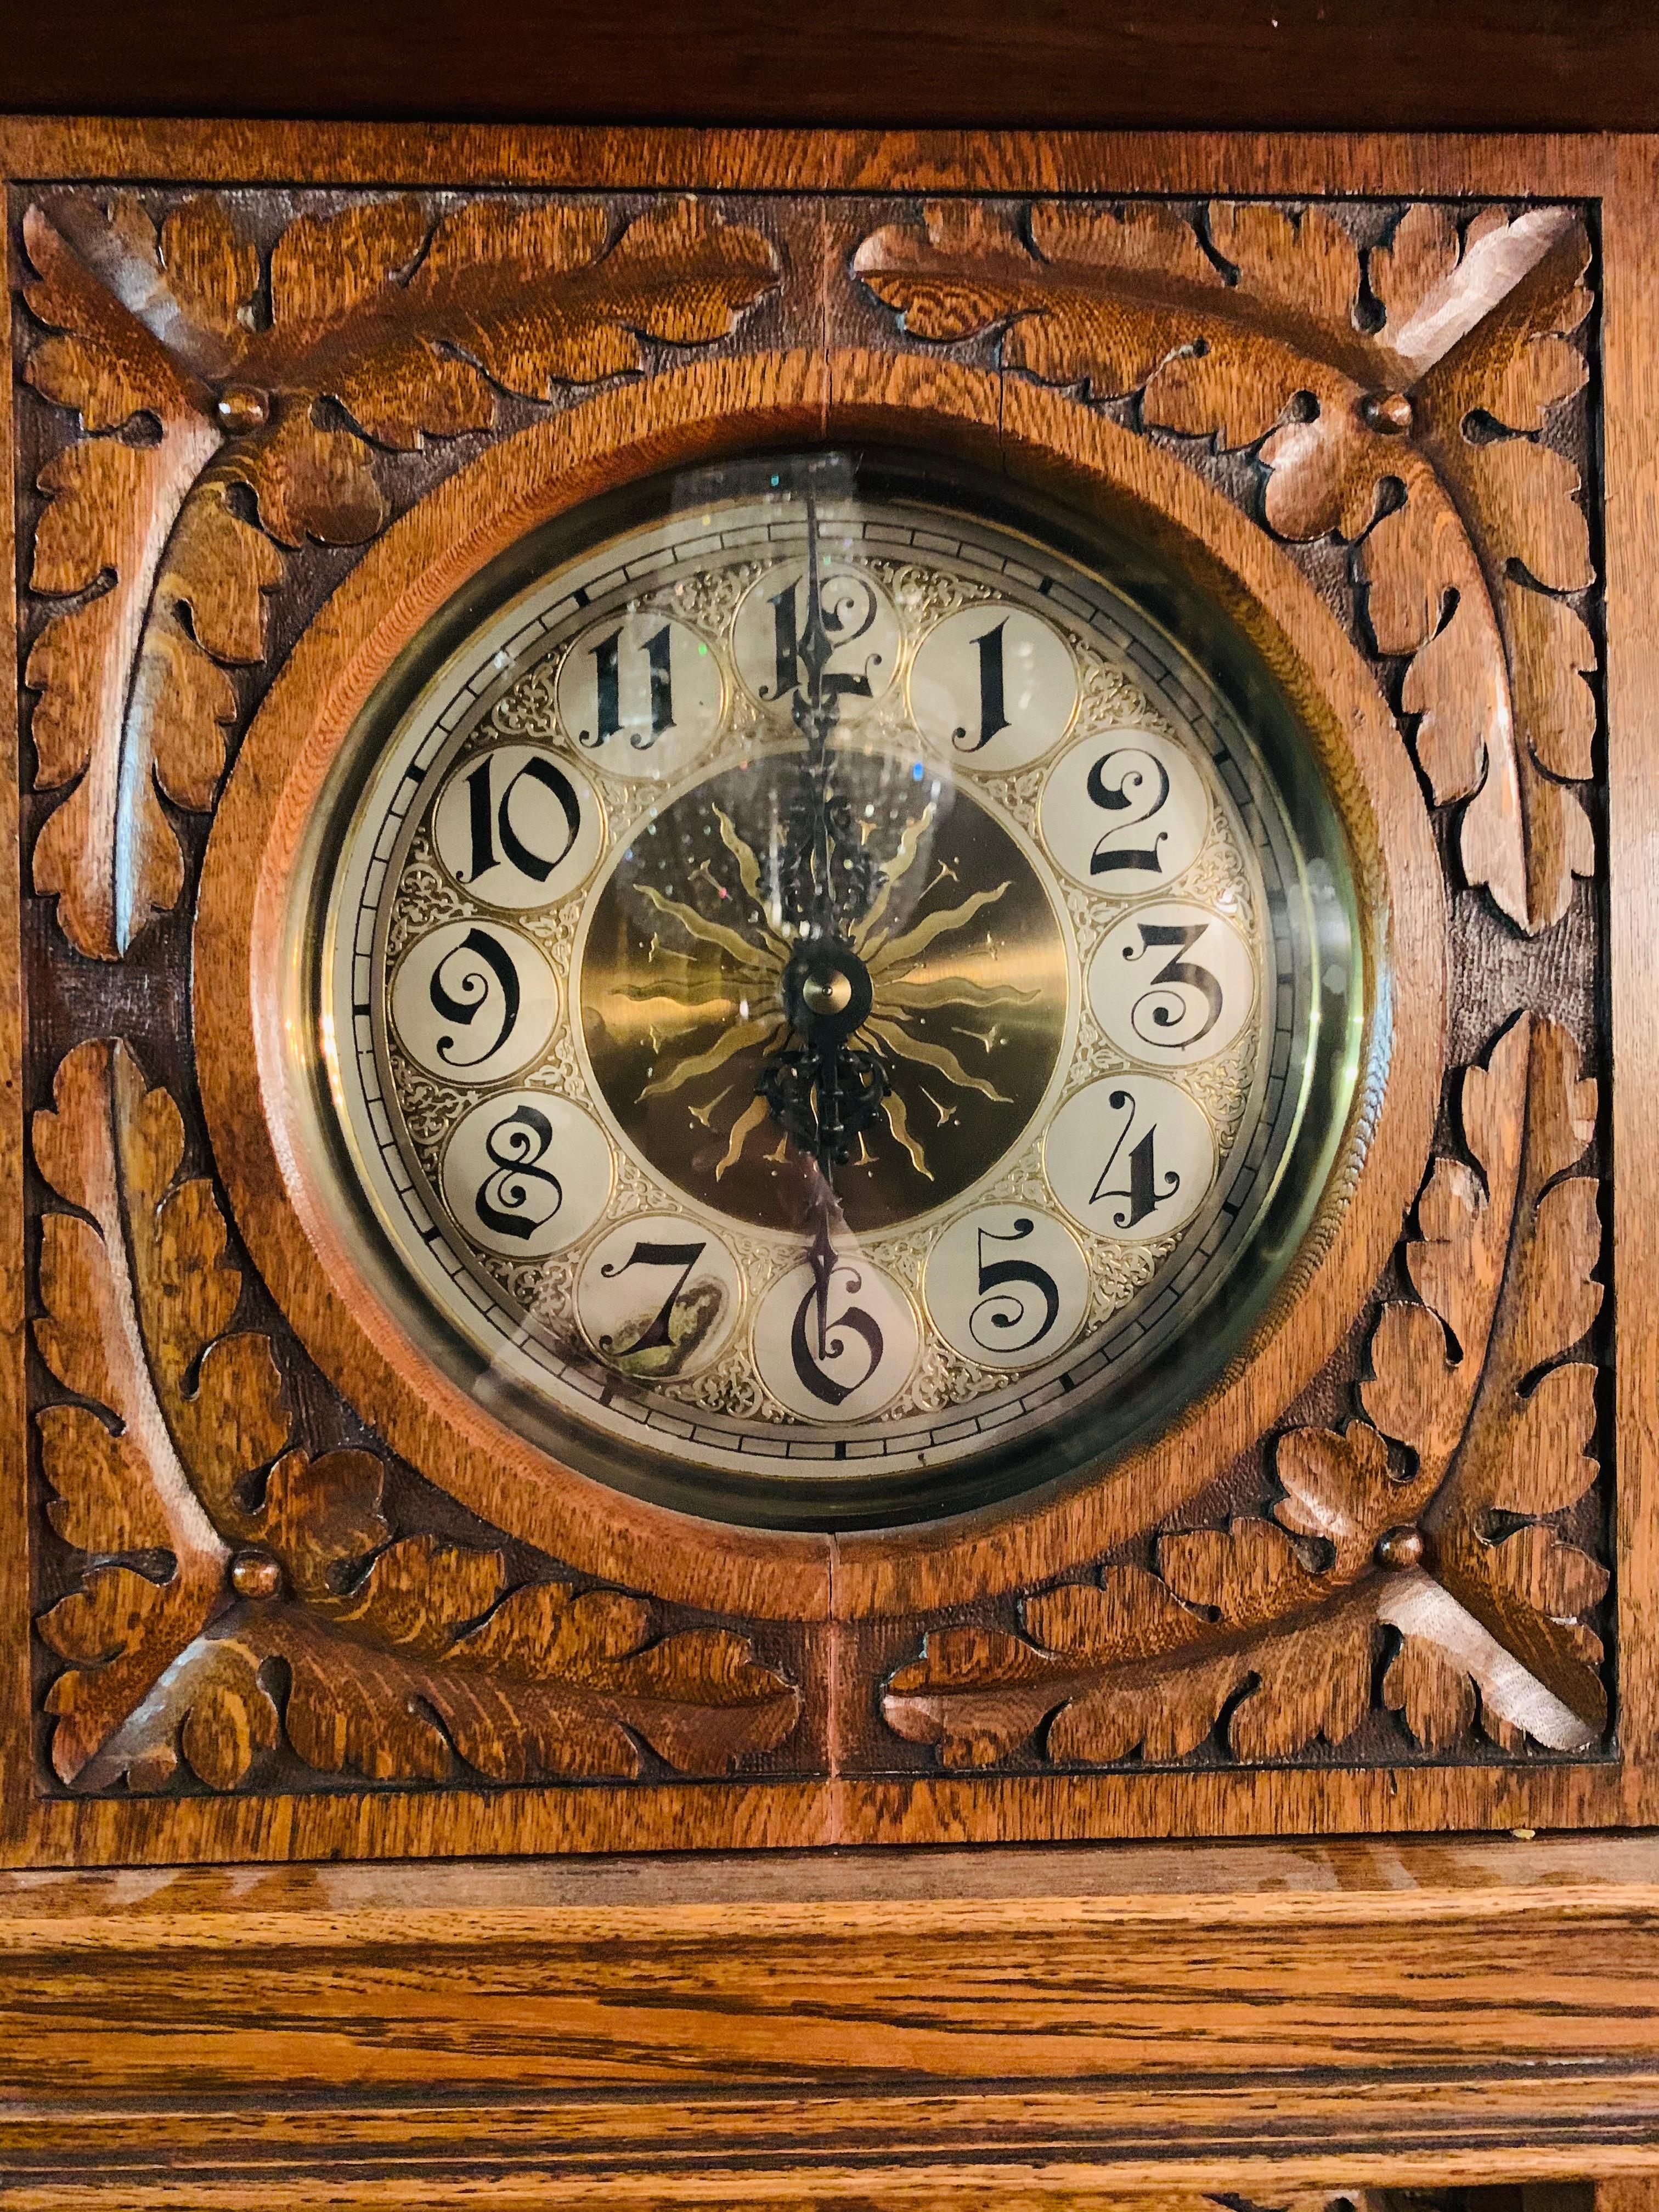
927,2028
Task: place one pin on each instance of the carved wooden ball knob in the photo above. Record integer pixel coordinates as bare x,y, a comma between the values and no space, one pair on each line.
241,407
256,1573
1389,411
1402,1548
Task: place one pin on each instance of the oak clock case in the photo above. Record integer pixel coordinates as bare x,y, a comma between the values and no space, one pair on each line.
647,1222
811,1040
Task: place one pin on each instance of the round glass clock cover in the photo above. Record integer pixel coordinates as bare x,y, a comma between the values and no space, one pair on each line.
836,998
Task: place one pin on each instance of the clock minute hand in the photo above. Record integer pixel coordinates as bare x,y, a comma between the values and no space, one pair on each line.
817,709
823,1090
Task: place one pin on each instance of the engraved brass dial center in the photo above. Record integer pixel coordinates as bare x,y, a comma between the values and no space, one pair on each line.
957,977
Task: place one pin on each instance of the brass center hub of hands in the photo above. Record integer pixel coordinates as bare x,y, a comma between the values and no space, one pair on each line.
827,991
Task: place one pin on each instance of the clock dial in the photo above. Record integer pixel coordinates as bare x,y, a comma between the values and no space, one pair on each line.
829,1008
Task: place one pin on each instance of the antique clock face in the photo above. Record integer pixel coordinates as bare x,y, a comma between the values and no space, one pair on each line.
836,1000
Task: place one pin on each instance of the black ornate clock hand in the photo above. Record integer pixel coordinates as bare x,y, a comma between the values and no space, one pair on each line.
823,1091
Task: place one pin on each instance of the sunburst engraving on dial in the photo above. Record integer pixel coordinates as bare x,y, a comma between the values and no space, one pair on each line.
825,991
692,994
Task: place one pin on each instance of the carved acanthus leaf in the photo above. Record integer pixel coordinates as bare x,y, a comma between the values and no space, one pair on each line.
111,1148
395,1656
577,1706
1526,1451
1271,1626
979,1695
1250,337
408,325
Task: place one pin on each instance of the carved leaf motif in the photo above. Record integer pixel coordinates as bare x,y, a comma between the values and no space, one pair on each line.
1247,1573
976,1694
578,1707
1129,302
531,298
1554,1578
231,1717
980,1695
353,1710
1314,1682
1512,1702
424,1654
1246,1624
1126,1611
1422,1386
1412,271
1338,1487
553,1682
1311,1679
322,1518
409,326
1526,1450
112,506
1482,407
1164,1718
109,1147
1434,1697
401,1654
191,284
106,1501
418,1595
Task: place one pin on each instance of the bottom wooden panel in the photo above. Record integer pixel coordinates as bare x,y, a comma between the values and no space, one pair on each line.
922,2027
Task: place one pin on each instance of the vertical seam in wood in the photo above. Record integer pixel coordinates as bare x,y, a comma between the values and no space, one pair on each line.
1630,491
834,1815
16,1759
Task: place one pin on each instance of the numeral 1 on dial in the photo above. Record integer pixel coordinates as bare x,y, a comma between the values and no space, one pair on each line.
994,685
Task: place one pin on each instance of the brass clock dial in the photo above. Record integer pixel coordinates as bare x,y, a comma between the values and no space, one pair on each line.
831,1009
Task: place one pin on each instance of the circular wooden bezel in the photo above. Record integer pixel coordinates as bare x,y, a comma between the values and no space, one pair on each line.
244,950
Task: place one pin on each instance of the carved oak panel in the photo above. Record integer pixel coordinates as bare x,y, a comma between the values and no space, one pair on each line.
255,1603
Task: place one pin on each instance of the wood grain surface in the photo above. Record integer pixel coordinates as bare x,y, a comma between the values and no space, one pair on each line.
1544,64
783,159
929,2029
1633,806
1031,2028
1035,2028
